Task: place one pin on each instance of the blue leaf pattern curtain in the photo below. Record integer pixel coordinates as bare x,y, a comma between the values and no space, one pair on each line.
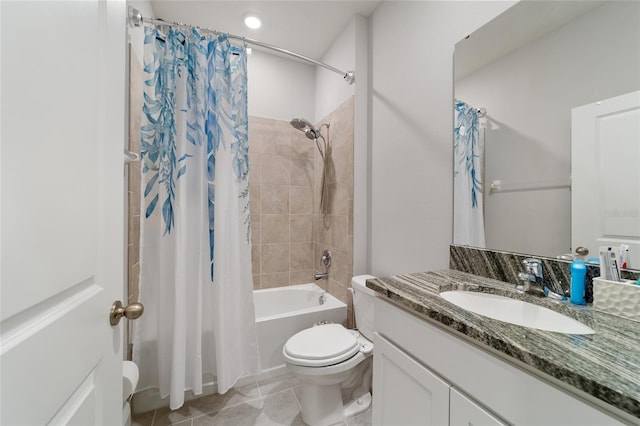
468,208
195,278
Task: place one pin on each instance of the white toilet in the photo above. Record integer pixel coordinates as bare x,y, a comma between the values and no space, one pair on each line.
331,360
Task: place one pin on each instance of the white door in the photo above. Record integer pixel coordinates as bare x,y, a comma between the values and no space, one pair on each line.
605,159
405,392
62,85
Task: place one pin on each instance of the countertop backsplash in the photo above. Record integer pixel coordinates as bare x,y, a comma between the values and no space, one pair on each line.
505,266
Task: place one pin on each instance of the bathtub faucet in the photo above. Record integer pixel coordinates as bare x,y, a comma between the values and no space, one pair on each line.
321,276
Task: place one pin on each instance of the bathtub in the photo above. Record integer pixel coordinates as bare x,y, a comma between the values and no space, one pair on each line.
283,311
280,313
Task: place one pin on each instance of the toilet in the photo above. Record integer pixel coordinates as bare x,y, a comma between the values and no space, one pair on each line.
334,363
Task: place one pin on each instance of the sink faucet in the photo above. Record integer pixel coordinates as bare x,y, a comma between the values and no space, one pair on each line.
531,280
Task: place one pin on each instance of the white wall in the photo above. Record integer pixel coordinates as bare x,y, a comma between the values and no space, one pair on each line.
349,52
529,95
411,121
280,88
331,89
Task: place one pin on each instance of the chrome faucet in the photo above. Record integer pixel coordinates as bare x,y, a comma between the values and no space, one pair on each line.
531,280
326,262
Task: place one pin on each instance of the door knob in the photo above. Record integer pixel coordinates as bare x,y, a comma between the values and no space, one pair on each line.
130,312
582,251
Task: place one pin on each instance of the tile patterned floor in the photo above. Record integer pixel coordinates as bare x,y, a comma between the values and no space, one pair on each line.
273,402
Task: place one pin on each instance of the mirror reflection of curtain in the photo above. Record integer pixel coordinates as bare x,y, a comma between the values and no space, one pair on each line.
468,216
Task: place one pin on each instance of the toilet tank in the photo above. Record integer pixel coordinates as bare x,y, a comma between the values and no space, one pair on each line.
363,302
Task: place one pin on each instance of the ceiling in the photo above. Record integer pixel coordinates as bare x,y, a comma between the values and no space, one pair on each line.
524,22
304,27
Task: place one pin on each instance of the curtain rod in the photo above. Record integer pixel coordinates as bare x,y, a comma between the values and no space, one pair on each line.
136,20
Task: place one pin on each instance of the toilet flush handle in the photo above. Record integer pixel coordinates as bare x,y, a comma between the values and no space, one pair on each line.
130,312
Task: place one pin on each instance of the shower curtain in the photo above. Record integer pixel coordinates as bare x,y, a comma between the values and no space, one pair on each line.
195,277
468,215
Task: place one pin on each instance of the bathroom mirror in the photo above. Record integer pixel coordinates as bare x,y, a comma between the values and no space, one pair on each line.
526,70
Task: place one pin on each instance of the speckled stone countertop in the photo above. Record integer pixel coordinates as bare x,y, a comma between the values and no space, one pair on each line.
605,364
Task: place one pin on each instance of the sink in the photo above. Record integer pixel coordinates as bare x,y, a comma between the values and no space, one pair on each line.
515,312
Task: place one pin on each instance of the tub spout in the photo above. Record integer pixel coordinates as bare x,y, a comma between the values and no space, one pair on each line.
321,276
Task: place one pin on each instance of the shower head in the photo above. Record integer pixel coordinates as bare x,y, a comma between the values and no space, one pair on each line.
305,126
309,131
300,124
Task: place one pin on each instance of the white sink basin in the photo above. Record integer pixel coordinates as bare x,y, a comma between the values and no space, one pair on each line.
515,312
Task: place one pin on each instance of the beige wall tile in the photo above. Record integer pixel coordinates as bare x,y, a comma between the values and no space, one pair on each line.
134,229
279,279
134,283
342,160
351,323
274,228
255,259
340,233
301,146
255,168
301,256
301,199
255,229
301,171
341,197
322,229
256,282
274,199
274,258
338,290
301,277
254,199
275,169
301,228
342,267
350,219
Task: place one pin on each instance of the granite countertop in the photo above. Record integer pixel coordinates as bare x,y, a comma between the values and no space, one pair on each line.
605,364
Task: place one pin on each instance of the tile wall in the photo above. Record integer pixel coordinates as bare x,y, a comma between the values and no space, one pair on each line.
134,174
281,191
335,231
288,232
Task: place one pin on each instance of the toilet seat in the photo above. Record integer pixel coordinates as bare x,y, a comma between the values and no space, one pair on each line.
321,346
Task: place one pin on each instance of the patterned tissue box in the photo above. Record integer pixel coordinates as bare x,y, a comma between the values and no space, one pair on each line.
621,299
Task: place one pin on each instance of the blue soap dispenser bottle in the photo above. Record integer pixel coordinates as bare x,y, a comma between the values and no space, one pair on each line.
578,282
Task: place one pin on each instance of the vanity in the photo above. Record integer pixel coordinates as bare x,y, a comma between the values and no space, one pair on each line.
436,363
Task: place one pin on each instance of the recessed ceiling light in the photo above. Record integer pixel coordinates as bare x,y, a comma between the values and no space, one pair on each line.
252,21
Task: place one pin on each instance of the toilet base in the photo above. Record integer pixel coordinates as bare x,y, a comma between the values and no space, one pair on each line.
322,405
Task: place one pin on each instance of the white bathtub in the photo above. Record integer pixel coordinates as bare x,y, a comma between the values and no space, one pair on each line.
280,313
283,311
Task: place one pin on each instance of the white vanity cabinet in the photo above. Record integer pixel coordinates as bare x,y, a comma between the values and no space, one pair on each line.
409,394
426,375
465,412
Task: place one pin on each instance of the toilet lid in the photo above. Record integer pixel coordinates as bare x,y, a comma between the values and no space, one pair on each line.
320,346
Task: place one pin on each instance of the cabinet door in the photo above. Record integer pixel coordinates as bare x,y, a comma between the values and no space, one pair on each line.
405,392
465,412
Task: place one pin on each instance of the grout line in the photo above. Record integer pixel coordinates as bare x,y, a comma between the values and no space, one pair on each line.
296,398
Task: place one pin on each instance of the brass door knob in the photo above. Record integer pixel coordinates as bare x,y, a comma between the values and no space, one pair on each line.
130,312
